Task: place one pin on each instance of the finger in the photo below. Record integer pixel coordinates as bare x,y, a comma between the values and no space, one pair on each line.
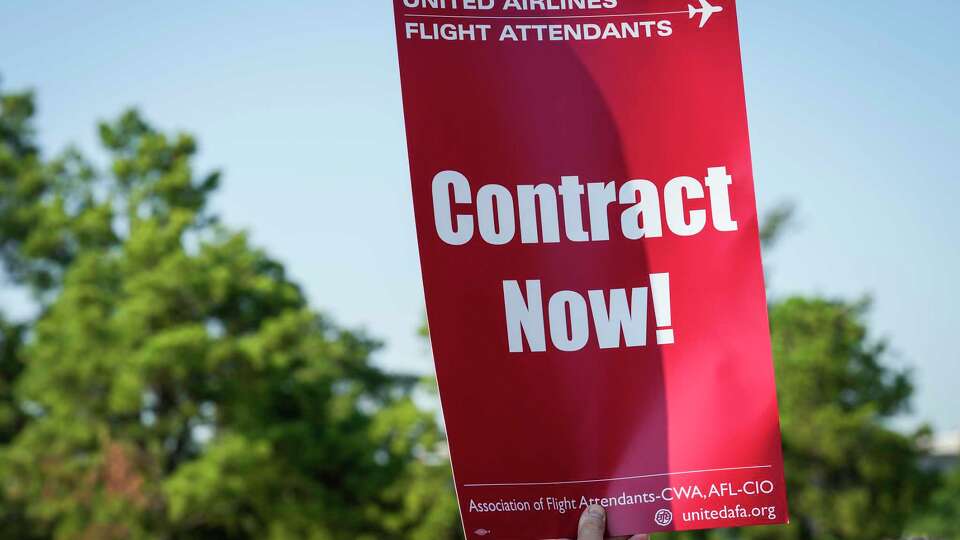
593,523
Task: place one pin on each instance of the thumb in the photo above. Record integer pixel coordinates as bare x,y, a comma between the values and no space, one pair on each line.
593,523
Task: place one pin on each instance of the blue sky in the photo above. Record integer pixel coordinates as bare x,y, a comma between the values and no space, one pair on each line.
853,114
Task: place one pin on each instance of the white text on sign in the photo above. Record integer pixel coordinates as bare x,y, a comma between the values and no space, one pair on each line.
493,210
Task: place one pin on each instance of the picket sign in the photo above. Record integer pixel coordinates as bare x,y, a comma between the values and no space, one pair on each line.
588,235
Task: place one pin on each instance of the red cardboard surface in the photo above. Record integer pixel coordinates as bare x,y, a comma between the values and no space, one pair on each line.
589,242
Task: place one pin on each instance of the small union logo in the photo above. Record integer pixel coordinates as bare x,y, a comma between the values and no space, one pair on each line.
663,517
482,532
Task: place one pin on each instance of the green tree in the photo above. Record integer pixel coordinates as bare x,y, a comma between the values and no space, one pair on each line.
12,419
849,474
176,385
941,519
19,171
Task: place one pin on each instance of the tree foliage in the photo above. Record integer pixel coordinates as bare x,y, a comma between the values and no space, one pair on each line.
176,384
941,519
849,474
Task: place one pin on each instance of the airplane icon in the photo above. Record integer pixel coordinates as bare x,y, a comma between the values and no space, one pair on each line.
705,10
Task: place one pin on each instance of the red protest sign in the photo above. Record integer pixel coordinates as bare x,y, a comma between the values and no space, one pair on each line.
589,242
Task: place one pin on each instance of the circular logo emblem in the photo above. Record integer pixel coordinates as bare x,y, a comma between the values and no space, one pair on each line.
663,517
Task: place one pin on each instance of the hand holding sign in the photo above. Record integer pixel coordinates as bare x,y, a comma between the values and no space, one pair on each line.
593,524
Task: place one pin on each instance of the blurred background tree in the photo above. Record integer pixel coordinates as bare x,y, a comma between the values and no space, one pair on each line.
850,475
941,519
175,383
